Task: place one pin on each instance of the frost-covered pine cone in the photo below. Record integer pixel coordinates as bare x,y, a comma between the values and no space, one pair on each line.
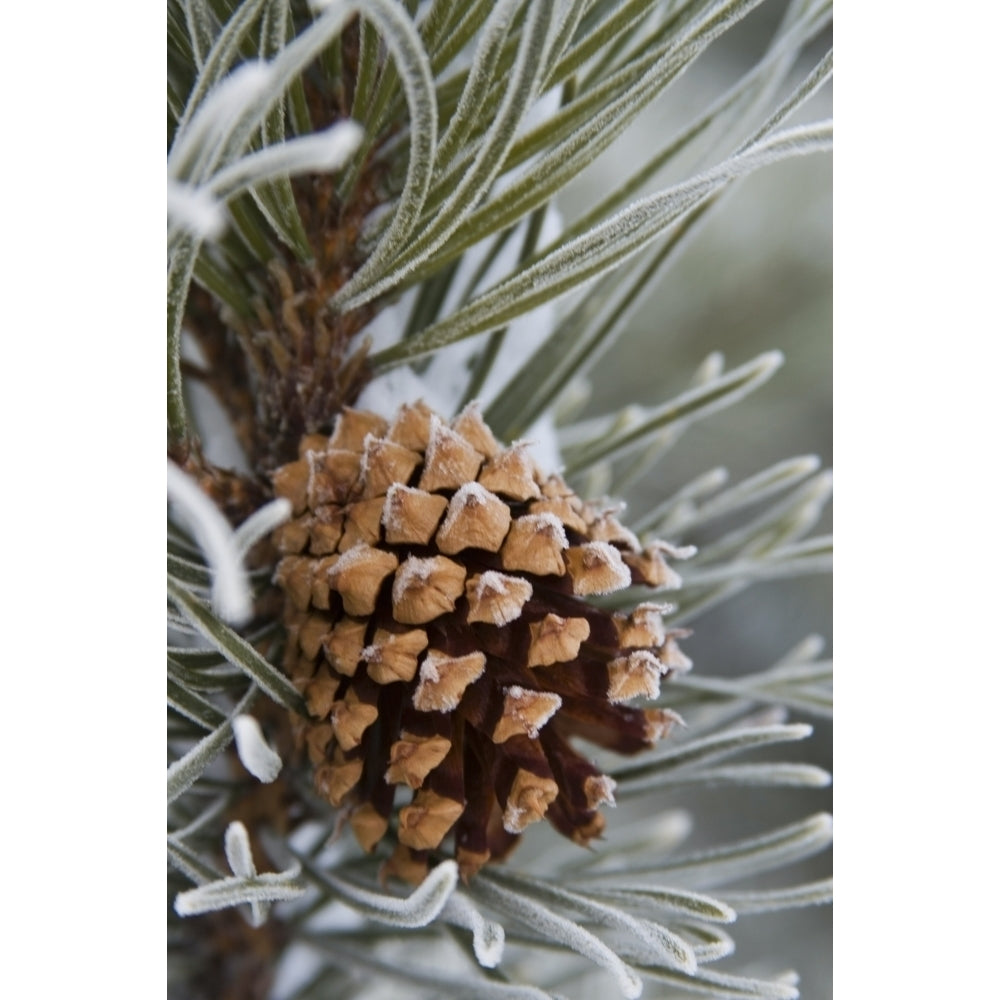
435,589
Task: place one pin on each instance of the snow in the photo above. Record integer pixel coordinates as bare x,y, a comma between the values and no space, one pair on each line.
444,382
218,438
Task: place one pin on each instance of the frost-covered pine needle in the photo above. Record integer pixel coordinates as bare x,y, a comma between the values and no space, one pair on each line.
487,936
231,594
246,886
195,210
238,852
261,523
257,757
319,153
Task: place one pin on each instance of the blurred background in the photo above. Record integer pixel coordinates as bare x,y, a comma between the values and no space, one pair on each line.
754,277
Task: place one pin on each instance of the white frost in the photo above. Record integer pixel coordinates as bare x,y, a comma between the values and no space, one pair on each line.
472,493
443,439
641,666
429,672
650,616
238,852
370,441
675,551
550,704
612,559
214,120
231,595
674,658
257,757
262,522
487,936
392,510
318,153
604,791
548,523
506,595
412,573
331,148
355,554
195,210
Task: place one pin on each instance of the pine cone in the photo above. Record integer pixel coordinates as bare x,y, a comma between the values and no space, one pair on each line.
437,627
